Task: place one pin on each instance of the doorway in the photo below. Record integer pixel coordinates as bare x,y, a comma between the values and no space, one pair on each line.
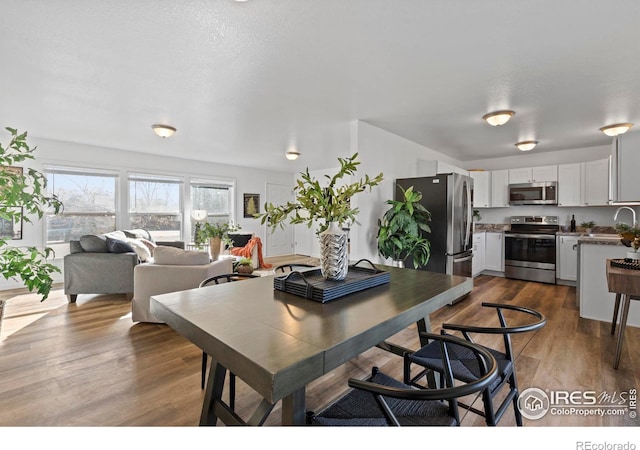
280,242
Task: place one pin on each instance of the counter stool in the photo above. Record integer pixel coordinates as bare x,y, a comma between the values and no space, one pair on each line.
625,283
626,301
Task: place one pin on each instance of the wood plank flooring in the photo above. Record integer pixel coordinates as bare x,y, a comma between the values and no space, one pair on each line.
87,364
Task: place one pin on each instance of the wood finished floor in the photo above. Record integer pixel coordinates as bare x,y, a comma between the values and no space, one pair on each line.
87,364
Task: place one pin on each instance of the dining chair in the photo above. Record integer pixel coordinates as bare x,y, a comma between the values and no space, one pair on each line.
384,401
214,280
464,366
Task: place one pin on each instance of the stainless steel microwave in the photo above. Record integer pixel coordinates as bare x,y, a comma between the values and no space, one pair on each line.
545,193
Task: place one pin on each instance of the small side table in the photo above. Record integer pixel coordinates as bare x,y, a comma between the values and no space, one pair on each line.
625,283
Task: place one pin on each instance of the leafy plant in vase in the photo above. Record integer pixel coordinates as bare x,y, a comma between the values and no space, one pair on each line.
244,265
400,230
216,233
588,226
630,237
23,193
327,207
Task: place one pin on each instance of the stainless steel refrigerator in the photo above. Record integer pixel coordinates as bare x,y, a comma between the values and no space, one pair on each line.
448,197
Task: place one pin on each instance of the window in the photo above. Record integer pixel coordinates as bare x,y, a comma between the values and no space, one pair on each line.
89,199
154,204
214,197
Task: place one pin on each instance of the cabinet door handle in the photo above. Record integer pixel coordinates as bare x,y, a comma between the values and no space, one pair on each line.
575,246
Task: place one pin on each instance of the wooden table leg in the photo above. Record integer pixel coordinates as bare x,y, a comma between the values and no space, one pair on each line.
616,308
294,408
213,393
626,300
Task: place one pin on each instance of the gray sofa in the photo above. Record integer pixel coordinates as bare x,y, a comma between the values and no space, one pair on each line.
100,264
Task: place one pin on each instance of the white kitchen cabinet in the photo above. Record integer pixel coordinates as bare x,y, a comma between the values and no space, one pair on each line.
595,300
494,251
596,182
481,188
499,189
567,263
533,174
477,265
570,184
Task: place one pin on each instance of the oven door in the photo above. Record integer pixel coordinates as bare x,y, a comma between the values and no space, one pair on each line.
536,251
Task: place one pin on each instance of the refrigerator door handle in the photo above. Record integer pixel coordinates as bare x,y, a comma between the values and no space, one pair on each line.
466,258
467,239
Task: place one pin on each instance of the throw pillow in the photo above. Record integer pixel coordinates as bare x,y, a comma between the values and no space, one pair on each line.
116,235
92,243
139,233
141,250
118,246
165,255
150,245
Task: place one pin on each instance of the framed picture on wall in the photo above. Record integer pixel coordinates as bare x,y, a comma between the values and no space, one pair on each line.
251,204
12,229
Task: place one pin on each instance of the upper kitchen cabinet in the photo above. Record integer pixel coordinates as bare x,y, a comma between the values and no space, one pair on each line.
625,160
596,182
499,188
533,174
570,184
481,188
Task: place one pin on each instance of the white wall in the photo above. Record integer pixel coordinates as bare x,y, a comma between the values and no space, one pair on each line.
247,180
394,156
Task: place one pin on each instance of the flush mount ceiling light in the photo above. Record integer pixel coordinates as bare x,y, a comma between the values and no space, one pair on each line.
616,129
498,118
525,146
164,131
292,155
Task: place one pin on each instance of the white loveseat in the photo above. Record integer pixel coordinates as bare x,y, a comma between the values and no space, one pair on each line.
172,270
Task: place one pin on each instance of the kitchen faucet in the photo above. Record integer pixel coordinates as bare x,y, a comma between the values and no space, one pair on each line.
633,224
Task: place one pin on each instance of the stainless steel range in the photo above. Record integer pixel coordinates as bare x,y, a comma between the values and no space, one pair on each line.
530,248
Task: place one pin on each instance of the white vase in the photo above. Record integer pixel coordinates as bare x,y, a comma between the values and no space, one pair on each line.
398,263
633,255
334,254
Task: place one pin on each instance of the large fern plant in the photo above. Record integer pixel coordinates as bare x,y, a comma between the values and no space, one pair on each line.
23,193
400,229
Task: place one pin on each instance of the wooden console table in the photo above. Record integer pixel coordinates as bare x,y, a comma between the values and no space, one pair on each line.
625,283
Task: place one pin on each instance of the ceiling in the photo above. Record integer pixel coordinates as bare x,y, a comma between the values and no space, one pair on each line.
243,81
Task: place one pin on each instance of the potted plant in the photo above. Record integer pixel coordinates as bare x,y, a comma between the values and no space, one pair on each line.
244,265
23,193
400,230
329,207
630,237
216,233
588,226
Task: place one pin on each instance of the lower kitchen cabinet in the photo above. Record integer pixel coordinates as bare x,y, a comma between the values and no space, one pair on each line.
567,258
494,251
478,253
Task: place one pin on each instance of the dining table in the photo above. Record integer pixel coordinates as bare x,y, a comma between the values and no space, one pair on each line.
278,342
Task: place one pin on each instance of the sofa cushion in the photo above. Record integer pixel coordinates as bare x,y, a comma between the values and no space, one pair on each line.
139,233
118,246
92,243
116,235
141,249
165,255
150,245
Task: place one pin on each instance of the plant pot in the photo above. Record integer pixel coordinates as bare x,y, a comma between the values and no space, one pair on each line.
334,253
244,268
397,263
2,306
214,247
633,255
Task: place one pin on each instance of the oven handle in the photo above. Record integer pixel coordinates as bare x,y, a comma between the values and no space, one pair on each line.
531,236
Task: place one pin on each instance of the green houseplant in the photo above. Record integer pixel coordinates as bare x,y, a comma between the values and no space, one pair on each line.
215,233
329,208
630,237
400,230
244,265
23,193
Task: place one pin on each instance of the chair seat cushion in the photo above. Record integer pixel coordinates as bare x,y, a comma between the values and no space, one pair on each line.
464,364
360,407
165,255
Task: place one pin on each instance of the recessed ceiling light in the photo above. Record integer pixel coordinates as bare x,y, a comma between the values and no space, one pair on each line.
498,118
164,131
525,146
616,129
292,155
